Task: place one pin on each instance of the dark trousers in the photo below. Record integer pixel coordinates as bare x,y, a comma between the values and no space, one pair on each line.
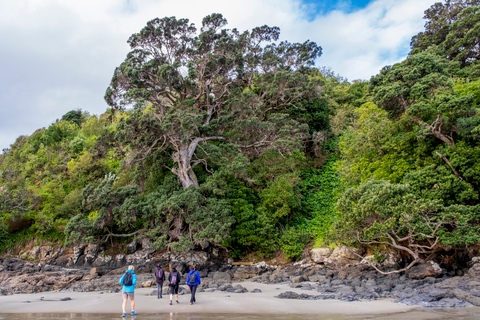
193,290
159,290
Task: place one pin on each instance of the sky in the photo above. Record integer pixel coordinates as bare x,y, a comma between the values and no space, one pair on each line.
59,55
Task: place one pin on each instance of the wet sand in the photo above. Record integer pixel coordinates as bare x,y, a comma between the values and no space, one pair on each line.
216,303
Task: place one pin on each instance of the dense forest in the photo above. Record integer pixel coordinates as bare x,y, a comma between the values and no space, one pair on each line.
228,139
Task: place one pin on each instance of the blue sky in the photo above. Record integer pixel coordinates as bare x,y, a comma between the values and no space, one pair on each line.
59,56
319,7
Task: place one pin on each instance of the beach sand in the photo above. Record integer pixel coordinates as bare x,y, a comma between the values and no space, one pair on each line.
207,302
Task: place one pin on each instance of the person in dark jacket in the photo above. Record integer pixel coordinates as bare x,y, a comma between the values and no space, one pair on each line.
159,279
193,280
128,291
174,279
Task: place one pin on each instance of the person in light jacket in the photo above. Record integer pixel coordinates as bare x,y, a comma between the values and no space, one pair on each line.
128,291
193,280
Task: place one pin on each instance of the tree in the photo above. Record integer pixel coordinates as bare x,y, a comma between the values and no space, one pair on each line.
381,213
421,87
190,89
438,18
74,116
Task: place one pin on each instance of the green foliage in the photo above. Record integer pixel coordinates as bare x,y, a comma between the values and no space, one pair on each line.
378,211
293,241
74,116
320,188
439,183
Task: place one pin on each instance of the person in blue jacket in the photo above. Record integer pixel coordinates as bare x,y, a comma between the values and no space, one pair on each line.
193,280
128,289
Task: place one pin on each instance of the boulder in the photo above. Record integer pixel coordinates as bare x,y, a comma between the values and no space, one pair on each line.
148,284
342,256
132,246
318,255
222,276
424,270
474,271
146,243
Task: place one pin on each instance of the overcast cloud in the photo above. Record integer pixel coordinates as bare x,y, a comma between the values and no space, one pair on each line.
59,55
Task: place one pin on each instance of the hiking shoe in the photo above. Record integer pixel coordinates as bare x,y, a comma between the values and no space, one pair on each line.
177,301
133,312
124,314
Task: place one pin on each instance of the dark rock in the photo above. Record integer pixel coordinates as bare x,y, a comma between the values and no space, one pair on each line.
446,303
256,291
424,270
348,298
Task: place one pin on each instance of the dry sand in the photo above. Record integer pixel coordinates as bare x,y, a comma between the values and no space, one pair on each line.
207,302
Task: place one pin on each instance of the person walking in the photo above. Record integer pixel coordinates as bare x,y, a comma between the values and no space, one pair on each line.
174,279
159,279
193,280
128,281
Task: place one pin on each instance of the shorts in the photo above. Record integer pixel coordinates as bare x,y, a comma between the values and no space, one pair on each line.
173,289
128,295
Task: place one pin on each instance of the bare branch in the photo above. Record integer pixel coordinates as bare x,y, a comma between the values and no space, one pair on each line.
123,235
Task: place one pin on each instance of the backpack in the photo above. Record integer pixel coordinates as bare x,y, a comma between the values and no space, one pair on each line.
127,279
159,274
174,278
192,278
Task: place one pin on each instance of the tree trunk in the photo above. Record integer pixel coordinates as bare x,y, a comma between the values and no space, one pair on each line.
183,158
184,171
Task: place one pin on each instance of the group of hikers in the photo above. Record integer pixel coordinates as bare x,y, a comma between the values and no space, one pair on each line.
129,280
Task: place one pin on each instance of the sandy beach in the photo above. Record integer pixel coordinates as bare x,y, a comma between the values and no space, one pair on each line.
220,304
207,302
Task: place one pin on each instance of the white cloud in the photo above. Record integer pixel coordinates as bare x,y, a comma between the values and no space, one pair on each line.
59,55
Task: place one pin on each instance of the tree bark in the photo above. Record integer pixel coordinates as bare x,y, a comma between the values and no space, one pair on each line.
183,158
436,129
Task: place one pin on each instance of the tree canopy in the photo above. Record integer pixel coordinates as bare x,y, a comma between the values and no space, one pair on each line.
213,85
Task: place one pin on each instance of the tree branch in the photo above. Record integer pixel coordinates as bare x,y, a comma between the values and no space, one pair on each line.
448,162
123,235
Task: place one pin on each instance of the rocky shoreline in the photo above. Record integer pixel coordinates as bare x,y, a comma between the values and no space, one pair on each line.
325,274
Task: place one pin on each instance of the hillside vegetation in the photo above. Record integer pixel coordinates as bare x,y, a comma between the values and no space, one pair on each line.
221,138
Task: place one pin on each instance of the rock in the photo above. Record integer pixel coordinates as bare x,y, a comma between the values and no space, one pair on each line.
318,255
196,258
297,279
222,276
77,253
132,246
94,272
256,291
474,271
248,272
91,253
342,256
147,284
102,260
288,295
66,299
146,243
467,296
423,270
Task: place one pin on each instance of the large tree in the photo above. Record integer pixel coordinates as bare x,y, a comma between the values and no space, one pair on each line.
191,88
